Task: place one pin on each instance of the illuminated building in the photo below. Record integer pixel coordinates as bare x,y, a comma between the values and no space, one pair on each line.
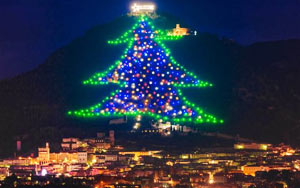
102,144
3,173
44,154
251,146
16,161
179,31
112,137
165,180
70,144
137,154
207,167
24,171
102,158
164,125
64,157
251,170
82,157
165,128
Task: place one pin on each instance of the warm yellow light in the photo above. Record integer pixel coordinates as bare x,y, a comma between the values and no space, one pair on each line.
211,178
239,146
264,147
138,118
142,7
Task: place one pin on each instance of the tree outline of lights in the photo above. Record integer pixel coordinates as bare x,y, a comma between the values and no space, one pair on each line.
189,112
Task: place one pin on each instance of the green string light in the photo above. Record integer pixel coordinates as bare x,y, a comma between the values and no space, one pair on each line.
100,79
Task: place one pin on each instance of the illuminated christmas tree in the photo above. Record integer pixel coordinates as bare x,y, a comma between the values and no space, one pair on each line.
149,79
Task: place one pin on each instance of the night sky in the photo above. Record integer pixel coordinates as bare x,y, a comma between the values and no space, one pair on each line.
32,29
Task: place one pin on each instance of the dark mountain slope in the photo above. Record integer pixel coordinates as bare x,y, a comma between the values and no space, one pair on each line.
268,91
33,105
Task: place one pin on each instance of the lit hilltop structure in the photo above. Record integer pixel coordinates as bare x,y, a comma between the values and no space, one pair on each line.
148,9
138,9
149,78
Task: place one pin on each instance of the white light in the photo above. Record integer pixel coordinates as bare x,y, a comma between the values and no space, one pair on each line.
138,118
136,125
142,7
44,172
169,108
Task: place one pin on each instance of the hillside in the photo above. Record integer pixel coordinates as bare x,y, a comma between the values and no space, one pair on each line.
267,99
255,87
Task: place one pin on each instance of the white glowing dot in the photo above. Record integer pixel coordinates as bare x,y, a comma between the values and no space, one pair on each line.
44,172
